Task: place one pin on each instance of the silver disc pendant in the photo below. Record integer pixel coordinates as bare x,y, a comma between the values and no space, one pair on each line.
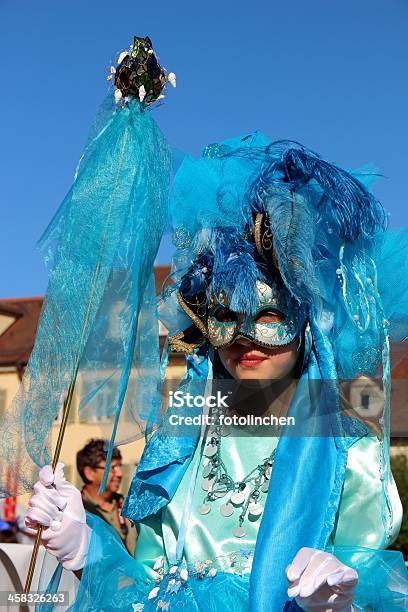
207,470
265,486
238,532
204,508
210,450
268,472
206,484
227,509
255,509
237,498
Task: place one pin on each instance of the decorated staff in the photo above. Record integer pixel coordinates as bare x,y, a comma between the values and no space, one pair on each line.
100,262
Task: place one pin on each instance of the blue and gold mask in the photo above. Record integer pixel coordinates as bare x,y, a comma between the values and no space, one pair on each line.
278,320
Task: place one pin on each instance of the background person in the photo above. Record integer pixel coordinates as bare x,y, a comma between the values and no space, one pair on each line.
91,461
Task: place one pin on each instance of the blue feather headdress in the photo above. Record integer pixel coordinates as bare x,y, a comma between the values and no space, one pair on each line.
251,209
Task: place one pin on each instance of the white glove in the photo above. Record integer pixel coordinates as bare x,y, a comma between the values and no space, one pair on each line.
319,582
57,505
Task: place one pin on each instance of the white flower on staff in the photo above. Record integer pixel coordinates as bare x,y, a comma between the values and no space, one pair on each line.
122,56
171,77
142,93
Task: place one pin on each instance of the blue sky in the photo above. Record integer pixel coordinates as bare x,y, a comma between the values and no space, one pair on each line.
329,74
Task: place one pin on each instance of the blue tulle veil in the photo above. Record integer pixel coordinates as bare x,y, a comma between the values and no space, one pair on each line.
99,315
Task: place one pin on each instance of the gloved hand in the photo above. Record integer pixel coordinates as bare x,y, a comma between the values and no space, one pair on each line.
57,505
319,582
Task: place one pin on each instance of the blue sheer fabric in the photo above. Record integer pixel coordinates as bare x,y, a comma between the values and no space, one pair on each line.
164,459
100,250
312,463
113,581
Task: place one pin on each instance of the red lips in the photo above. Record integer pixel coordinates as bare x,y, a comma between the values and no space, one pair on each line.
250,360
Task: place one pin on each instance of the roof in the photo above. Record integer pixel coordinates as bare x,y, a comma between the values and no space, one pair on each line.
399,360
17,339
20,318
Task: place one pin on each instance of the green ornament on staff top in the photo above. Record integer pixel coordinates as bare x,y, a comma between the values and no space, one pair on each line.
138,73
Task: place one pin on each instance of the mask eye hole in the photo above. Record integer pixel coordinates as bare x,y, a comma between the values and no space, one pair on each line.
224,315
268,315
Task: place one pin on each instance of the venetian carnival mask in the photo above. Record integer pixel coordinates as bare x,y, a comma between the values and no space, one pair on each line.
191,320
277,321
197,313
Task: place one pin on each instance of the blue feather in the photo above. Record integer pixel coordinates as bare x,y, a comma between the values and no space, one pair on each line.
304,195
198,276
354,210
292,226
236,270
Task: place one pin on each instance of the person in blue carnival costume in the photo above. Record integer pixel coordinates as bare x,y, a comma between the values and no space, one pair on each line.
279,267
286,280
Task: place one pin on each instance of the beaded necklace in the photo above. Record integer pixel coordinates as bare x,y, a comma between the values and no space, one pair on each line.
244,494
